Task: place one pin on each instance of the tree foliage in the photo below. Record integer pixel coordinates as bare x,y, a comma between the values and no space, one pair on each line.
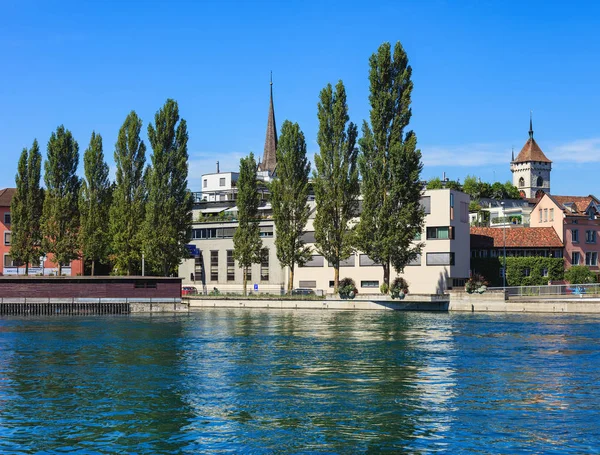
60,214
94,204
477,189
129,197
169,207
247,244
26,208
289,193
580,274
335,180
390,165
520,271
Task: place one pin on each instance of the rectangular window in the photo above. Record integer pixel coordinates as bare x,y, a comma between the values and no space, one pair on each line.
369,284
526,271
308,237
8,261
545,215
575,235
266,231
415,261
574,258
307,284
331,283
222,181
348,262
418,236
7,218
230,266
551,214
464,212
451,206
591,259
426,204
440,258
205,183
590,236
443,232
501,272
264,265
366,261
540,210
214,266
7,238
315,261
544,272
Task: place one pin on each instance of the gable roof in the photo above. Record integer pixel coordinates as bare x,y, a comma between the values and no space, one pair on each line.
528,237
6,195
573,205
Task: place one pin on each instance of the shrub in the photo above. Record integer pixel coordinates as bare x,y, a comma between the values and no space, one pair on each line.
399,288
384,288
476,283
579,274
347,288
215,291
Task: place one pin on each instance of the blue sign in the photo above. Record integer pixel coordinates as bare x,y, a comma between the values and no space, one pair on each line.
193,250
256,287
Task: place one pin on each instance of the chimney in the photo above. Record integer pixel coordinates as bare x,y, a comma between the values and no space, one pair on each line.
217,167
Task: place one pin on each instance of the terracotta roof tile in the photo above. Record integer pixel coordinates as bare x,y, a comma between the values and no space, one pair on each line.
529,237
531,152
6,195
580,203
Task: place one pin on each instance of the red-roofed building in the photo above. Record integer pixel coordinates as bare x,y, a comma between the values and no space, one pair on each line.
526,241
10,267
576,220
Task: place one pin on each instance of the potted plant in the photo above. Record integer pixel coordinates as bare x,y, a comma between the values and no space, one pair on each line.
399,288
347,288
476,283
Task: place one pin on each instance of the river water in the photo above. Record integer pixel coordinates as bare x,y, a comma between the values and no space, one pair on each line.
237,381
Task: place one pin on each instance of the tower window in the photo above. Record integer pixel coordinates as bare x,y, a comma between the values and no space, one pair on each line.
521,182
540,181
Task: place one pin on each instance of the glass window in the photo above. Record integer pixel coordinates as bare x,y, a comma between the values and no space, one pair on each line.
545,215
443,232
464,212
416,261
315,261
551,214
526,271
222,181
591,259
214,266
7,218
369,284
440,258
264,265
574,258
590,236
574,235
266,231
540,210
366,261
544,272
521,182
230,266
205,183
426,204
451,206
7,238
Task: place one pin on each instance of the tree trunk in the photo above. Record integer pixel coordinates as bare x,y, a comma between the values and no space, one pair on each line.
245,278
386,273
336,279
59,269
26,269
93,264
291,280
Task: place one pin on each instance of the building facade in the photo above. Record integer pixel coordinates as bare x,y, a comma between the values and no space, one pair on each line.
45,266
576,220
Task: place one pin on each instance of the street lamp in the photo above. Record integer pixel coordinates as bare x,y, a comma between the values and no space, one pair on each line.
504,238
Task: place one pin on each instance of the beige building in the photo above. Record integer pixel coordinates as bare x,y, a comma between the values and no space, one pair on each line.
444,261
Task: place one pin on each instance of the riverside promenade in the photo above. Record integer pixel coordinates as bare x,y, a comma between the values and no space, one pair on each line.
455,301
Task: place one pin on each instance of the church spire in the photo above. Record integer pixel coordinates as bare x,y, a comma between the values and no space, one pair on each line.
530,124
513,154
269,156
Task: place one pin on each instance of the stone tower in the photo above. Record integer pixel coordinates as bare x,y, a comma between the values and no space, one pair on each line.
531,169
269,160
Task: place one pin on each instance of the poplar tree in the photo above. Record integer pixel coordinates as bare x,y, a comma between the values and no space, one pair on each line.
128,197
390,166
26,208
289,193
60,214
247,244
336,178
169,207
94,204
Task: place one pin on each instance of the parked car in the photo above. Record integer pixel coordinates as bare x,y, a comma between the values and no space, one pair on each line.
189,290
303,291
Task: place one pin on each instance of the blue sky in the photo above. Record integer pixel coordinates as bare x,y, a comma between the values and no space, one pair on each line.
478,69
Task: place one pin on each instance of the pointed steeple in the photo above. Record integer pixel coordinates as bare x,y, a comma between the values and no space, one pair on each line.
269,160
530,124
513,154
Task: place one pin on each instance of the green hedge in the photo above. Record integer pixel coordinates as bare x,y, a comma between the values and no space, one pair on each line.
515,270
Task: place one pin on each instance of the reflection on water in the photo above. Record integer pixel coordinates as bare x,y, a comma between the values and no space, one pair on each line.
231,381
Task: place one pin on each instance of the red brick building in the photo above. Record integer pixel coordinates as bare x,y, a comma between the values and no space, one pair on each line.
10,267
